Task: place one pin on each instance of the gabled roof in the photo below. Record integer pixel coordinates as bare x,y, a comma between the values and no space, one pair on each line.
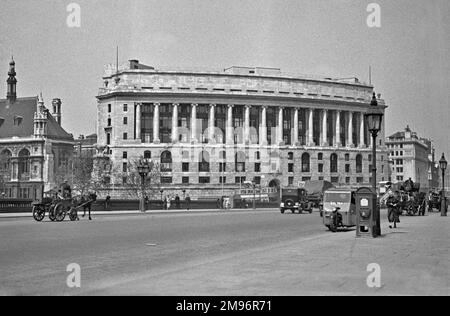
398,135
17,119
23,108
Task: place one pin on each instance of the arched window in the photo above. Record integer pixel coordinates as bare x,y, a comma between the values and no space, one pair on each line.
240,161
5,159
358,163
333,163
305,163
147,154
24,163
166,161
203,162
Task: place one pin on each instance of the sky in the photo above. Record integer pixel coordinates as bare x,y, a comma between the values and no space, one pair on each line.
409,54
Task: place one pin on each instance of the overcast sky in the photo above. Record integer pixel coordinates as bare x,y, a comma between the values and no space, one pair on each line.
409,53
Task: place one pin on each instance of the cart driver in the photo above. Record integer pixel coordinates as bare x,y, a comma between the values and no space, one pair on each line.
66,191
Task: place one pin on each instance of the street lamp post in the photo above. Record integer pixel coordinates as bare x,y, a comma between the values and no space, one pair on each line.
443,166
144,166
374,118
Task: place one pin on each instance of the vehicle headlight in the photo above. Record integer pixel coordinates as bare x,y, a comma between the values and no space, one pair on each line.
282,204
297,204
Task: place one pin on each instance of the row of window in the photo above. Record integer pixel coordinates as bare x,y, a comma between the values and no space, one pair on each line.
204,166
204,155
257,180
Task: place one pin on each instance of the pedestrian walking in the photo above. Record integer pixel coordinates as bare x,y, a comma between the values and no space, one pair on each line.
188,202
107,203
165,203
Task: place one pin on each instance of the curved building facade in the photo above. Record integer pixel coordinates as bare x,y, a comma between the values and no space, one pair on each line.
210,131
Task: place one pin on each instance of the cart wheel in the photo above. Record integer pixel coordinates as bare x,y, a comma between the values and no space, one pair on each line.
38,212
73,214
332,228
60,214
51,213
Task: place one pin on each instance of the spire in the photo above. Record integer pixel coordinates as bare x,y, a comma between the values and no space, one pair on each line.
40,99
11,93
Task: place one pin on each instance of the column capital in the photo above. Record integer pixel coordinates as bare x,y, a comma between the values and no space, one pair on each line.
175,104
156,103
230,105
213,105
248,106
194,104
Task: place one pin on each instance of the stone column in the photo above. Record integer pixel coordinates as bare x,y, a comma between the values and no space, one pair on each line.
138,120
211,123
324,128
295,128
338,129
310,127
280,126
229,131
175,122
362,143
263,130
247,124
350,130
194,122
156,139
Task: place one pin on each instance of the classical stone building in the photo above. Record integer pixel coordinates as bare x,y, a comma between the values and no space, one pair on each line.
212,130
35,151
411,156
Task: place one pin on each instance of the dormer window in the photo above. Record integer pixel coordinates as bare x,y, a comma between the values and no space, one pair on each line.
18,120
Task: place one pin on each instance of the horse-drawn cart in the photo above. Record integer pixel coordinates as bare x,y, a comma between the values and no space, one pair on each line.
59,207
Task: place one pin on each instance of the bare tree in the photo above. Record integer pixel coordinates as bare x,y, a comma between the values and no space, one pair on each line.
132,180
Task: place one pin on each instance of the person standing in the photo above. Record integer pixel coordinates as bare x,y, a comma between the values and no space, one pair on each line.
177,201
188,202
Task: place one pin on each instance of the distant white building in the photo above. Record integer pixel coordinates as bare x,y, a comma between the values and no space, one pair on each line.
412,157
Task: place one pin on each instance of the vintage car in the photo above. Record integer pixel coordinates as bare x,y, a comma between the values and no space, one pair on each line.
295,200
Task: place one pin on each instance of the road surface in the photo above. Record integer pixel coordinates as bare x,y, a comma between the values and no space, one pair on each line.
141,254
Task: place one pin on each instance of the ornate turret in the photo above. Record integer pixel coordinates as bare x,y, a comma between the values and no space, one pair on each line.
40,118
11,93
56,104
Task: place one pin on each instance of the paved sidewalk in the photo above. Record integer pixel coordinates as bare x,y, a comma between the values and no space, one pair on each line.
148,212
414,260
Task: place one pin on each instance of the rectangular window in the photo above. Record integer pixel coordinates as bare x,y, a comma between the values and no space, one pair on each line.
185,167
185,180
306,178
291,167
222,180
334,180
204,180
109,122
239,180
109,108
166,180
320,167
125,155
257,180
124,179
124,167
359,180
347,180
222,167
347,168
291,181
125,107
125,120
257,167
125,136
